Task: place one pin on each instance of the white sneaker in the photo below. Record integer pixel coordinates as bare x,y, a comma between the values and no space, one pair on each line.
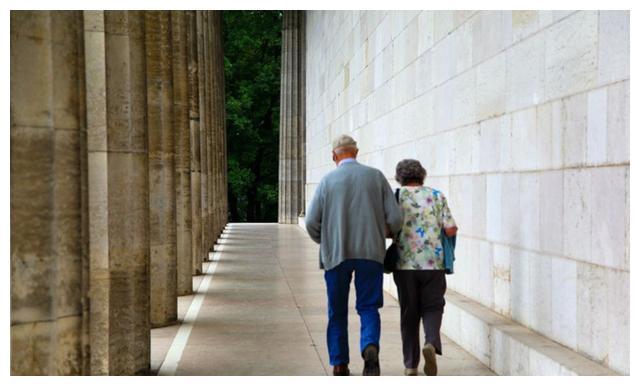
411,371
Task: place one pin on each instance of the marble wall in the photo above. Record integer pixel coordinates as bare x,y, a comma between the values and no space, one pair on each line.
521,118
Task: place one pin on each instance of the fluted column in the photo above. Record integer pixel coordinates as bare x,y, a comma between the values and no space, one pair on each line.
209,93
213,198
118,191
206,34
224,196
204,126
182,151
162,194
194,131
218,113
292,120
222,149
48,194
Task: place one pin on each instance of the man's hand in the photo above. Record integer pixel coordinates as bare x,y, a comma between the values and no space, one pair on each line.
450,232
387,232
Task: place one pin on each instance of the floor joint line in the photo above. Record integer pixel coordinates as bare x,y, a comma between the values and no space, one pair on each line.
306,326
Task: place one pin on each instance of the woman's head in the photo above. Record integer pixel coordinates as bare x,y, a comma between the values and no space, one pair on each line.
410,171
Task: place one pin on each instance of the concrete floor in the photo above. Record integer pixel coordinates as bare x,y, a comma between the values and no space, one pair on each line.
264,313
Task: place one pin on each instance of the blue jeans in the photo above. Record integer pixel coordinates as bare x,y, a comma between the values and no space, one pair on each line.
368,281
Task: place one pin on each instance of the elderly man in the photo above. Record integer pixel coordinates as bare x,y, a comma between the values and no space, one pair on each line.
349,215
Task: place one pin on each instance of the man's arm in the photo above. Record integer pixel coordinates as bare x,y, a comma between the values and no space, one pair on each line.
313,218
392,212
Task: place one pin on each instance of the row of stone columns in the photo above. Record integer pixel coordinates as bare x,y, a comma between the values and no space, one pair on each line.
117,159
292,119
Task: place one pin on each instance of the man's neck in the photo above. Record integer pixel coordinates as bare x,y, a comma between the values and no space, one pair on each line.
346,160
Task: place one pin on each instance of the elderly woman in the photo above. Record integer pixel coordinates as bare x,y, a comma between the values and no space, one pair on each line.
419,274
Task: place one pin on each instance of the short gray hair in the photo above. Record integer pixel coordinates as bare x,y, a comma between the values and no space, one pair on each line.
344,141
410,170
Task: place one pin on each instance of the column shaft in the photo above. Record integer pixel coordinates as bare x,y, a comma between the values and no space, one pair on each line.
218,128
204,124
292,123
118,192
194,131
223,116
162,193
302,125
208,98
215,31
48,194
182,151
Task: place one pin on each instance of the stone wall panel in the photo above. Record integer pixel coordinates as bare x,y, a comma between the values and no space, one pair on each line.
521,118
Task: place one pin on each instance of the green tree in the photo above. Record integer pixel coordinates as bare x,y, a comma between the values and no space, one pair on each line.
252,42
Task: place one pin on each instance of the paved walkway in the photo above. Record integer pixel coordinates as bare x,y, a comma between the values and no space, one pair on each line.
263,312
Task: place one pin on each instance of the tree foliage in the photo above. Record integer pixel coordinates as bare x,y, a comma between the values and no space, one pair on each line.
252,42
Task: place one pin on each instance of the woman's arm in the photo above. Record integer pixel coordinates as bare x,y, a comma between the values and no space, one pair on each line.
447,221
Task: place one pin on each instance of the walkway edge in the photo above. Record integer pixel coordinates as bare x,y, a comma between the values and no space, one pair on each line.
507,347
170,363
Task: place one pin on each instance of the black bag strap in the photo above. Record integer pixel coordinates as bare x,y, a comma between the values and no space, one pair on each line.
397,194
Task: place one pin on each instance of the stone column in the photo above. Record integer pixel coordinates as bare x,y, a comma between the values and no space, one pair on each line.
118,191
208,55
215,164
292,124
223,132
219,108
302,117
204,126
214,127
48,193
194,134
182,151
162,193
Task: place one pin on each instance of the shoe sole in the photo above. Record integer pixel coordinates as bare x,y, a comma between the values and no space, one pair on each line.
371,363
430,365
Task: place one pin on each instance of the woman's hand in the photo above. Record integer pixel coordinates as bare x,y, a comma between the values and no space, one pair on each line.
450,232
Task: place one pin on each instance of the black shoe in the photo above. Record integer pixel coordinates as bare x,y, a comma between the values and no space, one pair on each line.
371,363
342,369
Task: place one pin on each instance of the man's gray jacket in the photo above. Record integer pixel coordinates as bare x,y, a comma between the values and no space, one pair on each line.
348,213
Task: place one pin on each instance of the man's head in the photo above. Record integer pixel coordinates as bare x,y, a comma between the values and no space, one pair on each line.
344,147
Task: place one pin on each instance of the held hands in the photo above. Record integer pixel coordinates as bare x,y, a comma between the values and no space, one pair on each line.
387,232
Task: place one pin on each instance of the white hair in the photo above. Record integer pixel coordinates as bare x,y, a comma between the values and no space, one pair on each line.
344,141
345,149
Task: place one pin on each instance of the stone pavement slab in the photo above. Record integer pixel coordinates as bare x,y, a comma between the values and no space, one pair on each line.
264,313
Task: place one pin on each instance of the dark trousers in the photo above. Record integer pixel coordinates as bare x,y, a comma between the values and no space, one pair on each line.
368,282
421,296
